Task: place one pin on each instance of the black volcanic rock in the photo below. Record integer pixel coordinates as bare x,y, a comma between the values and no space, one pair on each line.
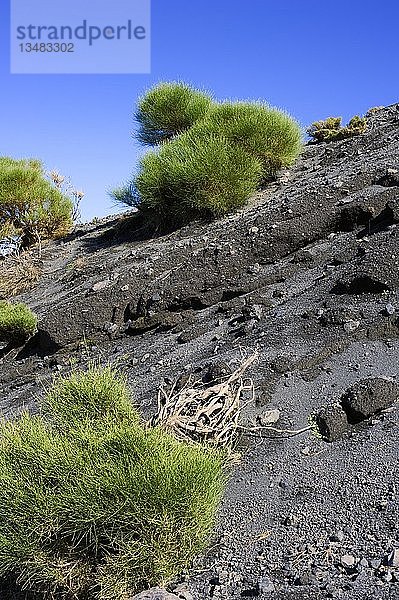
368,397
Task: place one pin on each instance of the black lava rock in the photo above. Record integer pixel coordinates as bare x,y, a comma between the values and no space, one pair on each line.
368,397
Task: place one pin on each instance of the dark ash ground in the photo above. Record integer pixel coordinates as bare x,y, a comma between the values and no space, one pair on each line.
309,276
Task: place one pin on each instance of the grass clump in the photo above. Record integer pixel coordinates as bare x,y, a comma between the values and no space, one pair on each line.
331,129
196,176
210,157
17,323
93,505
269,134
169,109
30,205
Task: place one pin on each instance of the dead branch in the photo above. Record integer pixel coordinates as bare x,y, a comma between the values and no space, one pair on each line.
204,414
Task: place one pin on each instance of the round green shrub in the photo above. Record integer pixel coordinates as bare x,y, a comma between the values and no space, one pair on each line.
168,109
267,133
100,508
211,156
29,204
17,323
196,176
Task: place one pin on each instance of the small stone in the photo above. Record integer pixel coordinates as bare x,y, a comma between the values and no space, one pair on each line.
254,268
265,585
368,397
254,230
111,329
100,285
375,563
364,563
393,558
252,311
350,326
389,309
125,288
269,417
337,536
331,422
305,451
348,561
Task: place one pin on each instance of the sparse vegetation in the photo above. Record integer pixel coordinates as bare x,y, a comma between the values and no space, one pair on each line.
18,274
93,505
32,206
17,323
331,129
211,156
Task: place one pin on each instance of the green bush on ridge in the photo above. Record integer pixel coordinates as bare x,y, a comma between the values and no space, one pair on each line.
196,176
93,505
210,157
17,323
267,133
169,109
30,205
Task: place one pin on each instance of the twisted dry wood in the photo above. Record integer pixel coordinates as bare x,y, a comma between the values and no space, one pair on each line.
199,413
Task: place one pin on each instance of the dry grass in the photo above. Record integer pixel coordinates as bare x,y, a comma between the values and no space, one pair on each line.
18,275
204,414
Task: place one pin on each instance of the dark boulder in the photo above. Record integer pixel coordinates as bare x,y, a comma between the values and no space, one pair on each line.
368,397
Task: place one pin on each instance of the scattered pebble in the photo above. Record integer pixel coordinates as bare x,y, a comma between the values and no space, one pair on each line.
393,558
100,285
348,561
337,536
350,326
269,417
265,585
389,309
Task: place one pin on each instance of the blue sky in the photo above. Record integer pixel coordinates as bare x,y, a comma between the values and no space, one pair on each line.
313,58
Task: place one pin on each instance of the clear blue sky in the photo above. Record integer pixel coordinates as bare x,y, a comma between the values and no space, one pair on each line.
315,58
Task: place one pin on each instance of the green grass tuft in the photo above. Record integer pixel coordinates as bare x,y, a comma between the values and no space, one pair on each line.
97,506
169,109
91,395
270,135
196,176
17,323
